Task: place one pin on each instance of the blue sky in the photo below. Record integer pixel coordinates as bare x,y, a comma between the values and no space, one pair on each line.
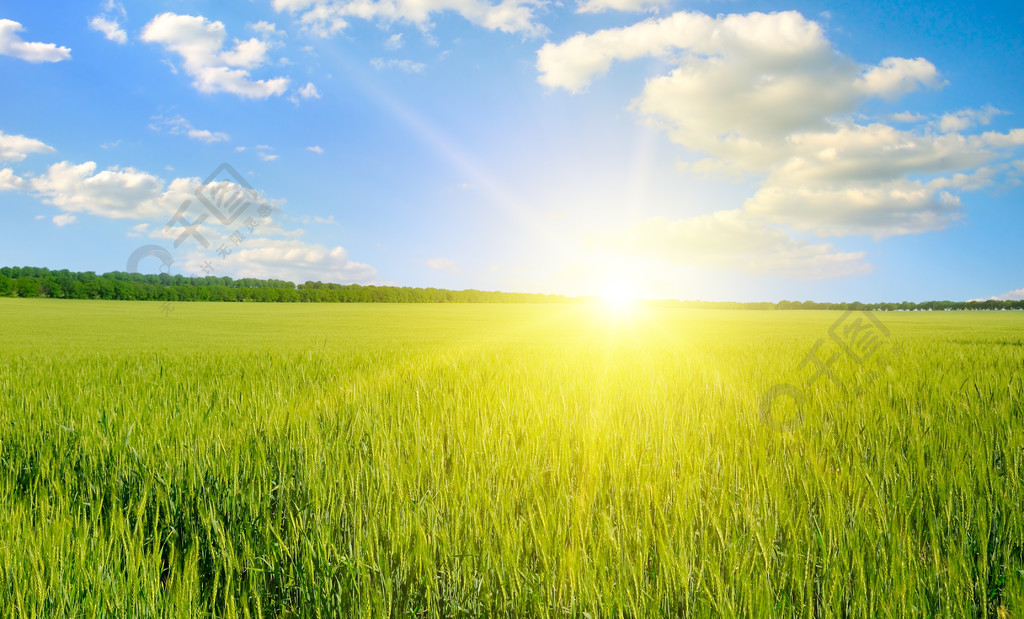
715,150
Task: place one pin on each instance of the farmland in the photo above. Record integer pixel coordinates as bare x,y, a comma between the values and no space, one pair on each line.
373,459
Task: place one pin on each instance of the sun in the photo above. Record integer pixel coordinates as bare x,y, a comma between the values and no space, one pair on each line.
619,298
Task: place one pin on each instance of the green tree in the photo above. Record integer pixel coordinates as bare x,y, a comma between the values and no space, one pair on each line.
27,286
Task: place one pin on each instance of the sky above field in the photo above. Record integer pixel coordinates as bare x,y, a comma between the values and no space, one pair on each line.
720,150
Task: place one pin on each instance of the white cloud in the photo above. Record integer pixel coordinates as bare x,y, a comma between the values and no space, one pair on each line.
1013,295
12,45
443,264
9,181
394,42
768,94
265,156
600,6
408,66
115,193
744,82
326,17
734,240
895,77
965,119
200,43
315,149
265,29
287,259
63,220
771,39
867,180
178,125
112,6
204,135
309,91
954,122
907,117
110,29
885,209
877,152
16,147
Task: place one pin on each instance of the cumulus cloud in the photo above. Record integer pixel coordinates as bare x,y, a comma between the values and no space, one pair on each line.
205,135
12,45
394,42
63,220
888,209
265,29
327,17
200,44
965,119
600,6
878,181
407,66
110,29
309,91
9,181
768,94
16,147
907,117
895,77
114,193
776,37
1013,295
315,149
287,259
113,6
744,82
178,125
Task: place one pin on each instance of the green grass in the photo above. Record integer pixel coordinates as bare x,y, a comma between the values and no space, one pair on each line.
510,460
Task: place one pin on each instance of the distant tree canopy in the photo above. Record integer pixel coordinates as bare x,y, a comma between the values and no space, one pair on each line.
64,284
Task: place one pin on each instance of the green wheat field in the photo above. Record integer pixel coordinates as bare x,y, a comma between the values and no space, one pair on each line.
264,460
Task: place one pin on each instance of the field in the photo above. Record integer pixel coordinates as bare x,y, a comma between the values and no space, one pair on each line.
507,460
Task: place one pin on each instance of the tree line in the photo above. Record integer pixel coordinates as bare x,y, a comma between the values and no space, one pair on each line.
118,285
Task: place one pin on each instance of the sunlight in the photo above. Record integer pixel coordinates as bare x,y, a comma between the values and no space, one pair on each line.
619,298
